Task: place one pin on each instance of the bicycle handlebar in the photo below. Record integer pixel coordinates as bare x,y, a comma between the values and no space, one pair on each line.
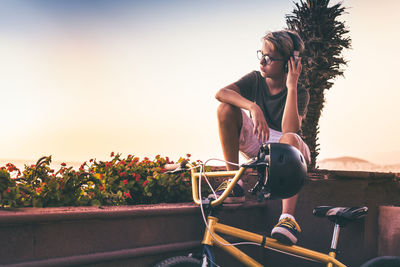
184,166
196,175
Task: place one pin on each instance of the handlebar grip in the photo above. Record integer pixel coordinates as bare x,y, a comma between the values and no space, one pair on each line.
171,167
174,168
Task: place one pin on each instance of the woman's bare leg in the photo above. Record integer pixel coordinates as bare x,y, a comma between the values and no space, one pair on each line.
289,204
229,125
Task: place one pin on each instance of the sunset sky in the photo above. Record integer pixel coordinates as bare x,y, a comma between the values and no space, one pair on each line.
80,79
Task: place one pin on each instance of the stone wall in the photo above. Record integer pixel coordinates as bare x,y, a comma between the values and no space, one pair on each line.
143,235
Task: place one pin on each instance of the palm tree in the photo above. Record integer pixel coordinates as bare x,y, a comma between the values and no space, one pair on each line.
324,37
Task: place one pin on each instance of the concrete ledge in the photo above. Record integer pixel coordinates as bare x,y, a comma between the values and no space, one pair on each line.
389,231
143,235
110,256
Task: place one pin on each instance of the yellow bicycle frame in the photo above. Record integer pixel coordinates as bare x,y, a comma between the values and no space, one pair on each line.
211,236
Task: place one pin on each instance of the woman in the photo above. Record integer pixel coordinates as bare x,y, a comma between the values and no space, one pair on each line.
276,106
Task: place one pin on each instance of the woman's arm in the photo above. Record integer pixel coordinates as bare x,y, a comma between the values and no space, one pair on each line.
231,95
291,121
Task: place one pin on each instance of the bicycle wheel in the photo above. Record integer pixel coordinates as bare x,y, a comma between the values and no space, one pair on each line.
384,261
179,261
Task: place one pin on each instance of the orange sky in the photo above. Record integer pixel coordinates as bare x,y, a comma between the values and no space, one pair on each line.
142,80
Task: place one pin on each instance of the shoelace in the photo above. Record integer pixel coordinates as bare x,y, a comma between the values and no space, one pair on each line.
289,223
223,186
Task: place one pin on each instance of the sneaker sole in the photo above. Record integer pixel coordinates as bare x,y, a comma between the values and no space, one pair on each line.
231,200
283,236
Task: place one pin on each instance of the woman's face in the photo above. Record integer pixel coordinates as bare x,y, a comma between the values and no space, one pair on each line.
272,64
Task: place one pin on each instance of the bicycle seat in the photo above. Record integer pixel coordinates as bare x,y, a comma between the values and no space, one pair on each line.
341,215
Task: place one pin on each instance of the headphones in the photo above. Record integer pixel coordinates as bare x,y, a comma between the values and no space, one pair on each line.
296,51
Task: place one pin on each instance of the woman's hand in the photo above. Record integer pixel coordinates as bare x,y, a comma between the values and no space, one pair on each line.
294,67
261,128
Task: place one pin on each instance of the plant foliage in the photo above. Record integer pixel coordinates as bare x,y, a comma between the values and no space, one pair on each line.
119,181
324,37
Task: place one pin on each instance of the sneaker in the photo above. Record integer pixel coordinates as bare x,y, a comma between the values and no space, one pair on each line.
286,231
236,196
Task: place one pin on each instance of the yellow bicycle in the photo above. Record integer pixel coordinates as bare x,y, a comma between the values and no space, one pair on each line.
214,229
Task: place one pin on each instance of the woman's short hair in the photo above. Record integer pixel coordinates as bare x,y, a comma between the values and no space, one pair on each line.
283,43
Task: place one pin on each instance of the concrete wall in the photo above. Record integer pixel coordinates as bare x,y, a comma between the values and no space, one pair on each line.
143,235
389,231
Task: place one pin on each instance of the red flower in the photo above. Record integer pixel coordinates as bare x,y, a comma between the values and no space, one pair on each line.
8,190
63,164
163,170
182,175
39,190
137,179
145,183
127,195
188,155
112,154
125,182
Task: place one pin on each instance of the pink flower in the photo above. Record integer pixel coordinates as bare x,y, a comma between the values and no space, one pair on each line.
145,183
127,195
125,182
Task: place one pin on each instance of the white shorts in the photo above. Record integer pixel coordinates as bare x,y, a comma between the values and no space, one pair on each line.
249,144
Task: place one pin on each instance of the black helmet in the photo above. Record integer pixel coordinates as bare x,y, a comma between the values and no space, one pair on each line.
285,172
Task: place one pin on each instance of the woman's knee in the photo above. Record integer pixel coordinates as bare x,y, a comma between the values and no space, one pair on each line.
296,141
290,139
227,112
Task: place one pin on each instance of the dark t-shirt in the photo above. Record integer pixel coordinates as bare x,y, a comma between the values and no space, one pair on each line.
254,88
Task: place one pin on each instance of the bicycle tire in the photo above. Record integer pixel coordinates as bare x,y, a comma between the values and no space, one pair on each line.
384,261
179,261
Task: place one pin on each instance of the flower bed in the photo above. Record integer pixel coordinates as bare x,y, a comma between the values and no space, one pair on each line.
119,181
